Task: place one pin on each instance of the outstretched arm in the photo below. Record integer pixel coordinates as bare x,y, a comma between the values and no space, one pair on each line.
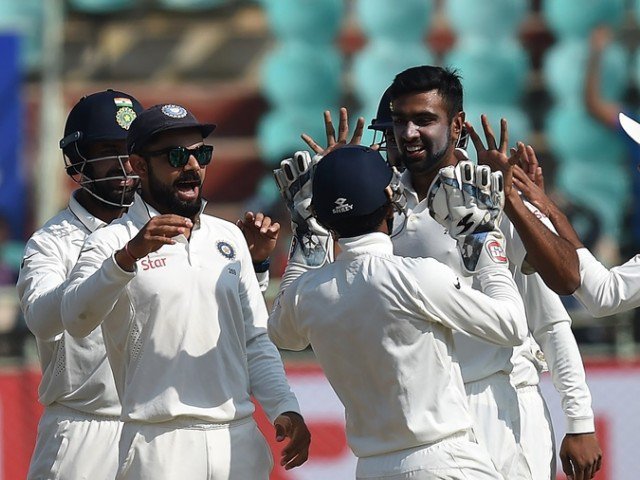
550,255
601,109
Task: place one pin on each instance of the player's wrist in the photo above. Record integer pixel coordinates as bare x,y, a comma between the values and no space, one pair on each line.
261,266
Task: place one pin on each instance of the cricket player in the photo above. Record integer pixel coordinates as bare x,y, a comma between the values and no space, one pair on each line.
380,325
184,320
79,430
511,418
602,291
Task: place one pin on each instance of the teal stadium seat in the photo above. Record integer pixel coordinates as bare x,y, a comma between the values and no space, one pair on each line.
309,21
405,21
517,122
491,71
601,185
192,5
298,74
565,66
101,6
279,132
25,17
573,134
375,66
488,19
576,18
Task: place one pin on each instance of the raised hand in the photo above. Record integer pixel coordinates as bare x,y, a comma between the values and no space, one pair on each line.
260,233
343,133
158,231
312,244
495,154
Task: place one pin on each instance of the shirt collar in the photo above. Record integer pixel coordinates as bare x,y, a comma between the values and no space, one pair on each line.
376,242
141,212
410,192
91,222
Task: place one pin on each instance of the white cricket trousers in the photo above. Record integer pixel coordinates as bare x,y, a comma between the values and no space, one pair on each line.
494,407
457,457
537,438
73,445
185,449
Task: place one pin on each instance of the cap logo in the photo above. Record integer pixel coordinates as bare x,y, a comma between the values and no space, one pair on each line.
174,111
342,206
124,117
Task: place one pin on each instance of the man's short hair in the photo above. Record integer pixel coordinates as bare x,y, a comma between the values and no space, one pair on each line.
426,78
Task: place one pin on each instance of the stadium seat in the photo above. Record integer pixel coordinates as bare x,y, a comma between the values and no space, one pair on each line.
308,21
375,67
101,6
573,134
576,18
600,185
517,122
279,132
488,19
491,72
192,5
298,74
25,17
399,21
565,66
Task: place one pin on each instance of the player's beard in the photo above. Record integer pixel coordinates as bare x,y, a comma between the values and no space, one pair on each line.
165,196
110,191
433,160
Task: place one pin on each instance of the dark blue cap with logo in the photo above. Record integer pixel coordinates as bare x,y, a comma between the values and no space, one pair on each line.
349,182
162,118
105,115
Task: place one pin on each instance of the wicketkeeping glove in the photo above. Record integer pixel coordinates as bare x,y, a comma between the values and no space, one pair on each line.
467,200
312,245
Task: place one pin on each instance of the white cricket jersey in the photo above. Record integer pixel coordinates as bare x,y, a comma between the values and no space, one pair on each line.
186,331
75,371
549,323
380,326
607,292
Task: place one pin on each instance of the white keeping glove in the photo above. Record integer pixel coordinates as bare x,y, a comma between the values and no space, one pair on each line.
312,245
467,200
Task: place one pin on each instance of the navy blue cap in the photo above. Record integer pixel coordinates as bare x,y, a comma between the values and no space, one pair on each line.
100,116
162,118
349,182
383,120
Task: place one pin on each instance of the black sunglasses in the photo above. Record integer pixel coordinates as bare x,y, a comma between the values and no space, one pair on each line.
179,156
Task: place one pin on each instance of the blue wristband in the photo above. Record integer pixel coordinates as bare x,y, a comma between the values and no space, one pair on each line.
261,267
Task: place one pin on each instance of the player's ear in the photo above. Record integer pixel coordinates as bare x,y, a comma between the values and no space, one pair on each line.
138,164
457,126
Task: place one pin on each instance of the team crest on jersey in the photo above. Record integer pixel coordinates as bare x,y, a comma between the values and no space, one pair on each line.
226,250
125,116
174,111
496,252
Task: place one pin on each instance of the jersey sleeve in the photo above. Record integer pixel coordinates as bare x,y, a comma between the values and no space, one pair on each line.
606,292
41,282
550,326
95,285
267,378
494,313
284,328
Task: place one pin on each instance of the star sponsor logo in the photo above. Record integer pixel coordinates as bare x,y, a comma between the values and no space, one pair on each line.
341,206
